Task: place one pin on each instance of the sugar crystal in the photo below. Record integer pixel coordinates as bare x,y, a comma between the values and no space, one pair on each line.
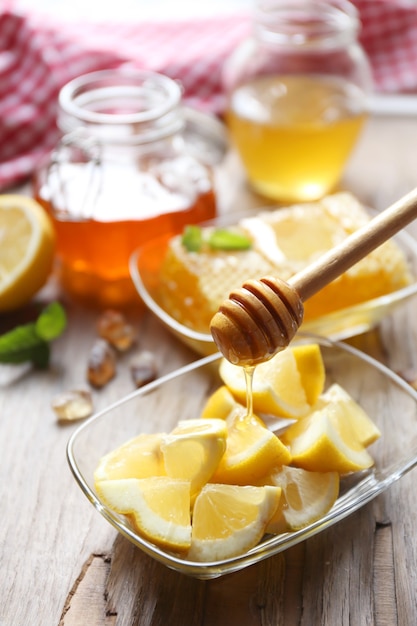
101,366
113,326
73,405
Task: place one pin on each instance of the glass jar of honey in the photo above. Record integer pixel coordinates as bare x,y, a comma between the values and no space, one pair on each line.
297,96
120,175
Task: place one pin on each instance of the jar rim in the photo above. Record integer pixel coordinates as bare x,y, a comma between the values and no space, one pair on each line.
306,23
121,97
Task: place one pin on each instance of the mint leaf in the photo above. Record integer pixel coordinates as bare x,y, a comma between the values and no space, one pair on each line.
192,238
223,239
40,356
51,322
30,342
19,344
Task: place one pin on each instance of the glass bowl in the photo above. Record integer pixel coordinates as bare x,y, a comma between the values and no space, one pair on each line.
181,395
145,265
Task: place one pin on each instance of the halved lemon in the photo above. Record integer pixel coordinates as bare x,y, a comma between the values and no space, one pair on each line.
277,386
27,245
251,451
229,520
139,457
193,449
159,507
306,497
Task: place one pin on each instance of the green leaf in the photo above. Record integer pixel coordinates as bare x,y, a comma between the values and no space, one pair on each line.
223,239
19,344
40,356
52,322
192,238
30,342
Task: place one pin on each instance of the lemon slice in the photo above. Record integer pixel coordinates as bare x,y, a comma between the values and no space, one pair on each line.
159,507
27,244
220,404
277,386
325,441
139,457
192,450
228,520
310,365
251,451
306,497
366,431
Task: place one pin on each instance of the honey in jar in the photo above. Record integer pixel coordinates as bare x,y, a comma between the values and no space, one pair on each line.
120,176
297,97
290,151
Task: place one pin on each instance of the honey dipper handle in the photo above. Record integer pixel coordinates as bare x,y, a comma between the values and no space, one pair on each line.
355,247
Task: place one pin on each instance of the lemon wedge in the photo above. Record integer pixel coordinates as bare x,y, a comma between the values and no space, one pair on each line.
219,404
251,451
366,431
306,497
159,507
325,441
139,457
193,449
277,386
229,520
310,366
27,245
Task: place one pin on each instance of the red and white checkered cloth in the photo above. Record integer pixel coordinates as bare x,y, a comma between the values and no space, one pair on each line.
39,54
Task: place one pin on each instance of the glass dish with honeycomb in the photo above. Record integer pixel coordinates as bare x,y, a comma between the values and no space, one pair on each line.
184,287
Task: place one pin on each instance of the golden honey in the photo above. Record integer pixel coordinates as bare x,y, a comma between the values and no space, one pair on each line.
120,175
294,134
297,96
93,255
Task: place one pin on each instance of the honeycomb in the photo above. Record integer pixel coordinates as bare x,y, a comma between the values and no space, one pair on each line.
284,241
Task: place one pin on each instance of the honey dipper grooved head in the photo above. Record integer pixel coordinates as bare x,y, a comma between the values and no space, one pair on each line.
257,320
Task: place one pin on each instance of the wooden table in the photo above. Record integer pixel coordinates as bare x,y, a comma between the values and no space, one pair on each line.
63,564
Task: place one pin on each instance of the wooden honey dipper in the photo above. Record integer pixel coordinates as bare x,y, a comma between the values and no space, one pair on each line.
261,318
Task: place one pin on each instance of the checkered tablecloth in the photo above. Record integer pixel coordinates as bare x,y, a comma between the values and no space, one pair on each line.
39,54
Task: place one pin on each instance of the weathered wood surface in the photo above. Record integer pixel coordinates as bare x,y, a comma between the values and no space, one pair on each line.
63,565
